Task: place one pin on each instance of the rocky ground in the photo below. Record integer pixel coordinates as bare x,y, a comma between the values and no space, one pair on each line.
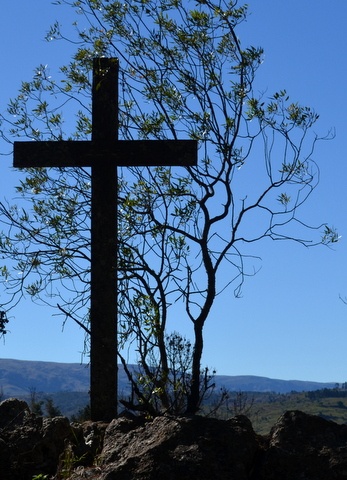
299,446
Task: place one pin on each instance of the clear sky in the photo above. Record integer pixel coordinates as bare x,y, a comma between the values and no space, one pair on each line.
290,322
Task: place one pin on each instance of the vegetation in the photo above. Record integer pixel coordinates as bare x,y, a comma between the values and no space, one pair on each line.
39,400
3,322
328,408
184,74
73,405
264,409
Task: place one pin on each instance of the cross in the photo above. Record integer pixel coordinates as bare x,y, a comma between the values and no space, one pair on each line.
104,153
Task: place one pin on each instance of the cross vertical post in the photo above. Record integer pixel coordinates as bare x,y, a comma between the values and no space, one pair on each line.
104,153
103,302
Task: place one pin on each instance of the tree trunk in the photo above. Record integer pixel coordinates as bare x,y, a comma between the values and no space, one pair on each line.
194,398
194,395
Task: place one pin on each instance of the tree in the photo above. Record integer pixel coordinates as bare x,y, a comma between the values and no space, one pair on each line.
51,410
184,73
35,403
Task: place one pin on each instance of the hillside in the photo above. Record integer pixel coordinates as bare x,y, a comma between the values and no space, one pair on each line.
19,377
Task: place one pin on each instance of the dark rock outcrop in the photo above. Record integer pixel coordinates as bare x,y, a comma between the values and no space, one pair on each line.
302,446
179,448
299,446
29,444
12,413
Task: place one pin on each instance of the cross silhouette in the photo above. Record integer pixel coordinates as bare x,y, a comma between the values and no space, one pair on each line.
104,153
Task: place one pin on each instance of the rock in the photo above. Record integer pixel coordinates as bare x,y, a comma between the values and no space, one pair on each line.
55,434
12,412
20,453
179,448
88,443
299,446
303,446
29,444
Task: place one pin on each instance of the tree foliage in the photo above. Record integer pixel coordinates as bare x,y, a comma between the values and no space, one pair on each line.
184,74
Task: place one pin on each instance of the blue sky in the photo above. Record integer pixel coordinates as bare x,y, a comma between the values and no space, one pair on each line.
289,322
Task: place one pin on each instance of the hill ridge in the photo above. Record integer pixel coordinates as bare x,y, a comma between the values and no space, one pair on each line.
18,377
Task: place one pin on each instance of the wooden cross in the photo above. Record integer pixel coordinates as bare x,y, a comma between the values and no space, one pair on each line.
104,153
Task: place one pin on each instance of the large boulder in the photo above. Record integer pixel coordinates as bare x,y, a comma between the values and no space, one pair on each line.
182,448
302,446
12,412
29,444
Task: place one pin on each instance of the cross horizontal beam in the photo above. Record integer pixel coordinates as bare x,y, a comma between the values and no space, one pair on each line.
67,153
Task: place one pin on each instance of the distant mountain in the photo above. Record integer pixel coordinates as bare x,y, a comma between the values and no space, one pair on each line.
19,377
250,383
